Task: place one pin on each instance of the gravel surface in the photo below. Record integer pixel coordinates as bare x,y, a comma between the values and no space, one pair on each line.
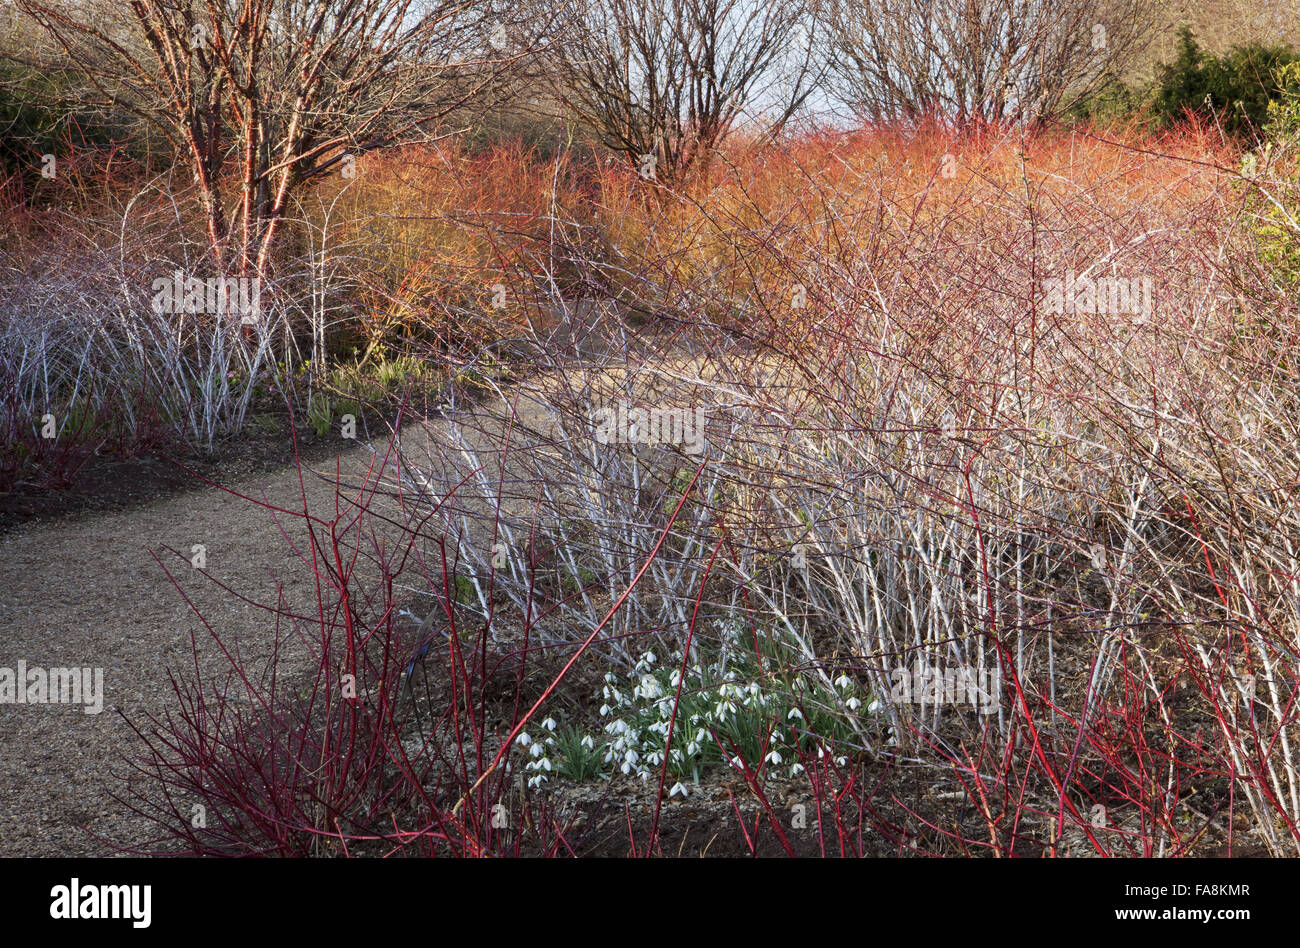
88,592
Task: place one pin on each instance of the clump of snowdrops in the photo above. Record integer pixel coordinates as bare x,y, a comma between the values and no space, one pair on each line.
735,706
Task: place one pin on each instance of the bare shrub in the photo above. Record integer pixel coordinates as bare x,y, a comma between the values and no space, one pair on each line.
989,61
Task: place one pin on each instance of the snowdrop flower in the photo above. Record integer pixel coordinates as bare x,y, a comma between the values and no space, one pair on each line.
677,788
537,750
843,682
794,714
588,742
524,739
874,706
774,757
549,723
853,704
796,770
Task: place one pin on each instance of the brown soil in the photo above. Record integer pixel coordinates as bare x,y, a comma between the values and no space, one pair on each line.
107,483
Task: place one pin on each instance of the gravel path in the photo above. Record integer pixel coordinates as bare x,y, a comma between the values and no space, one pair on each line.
88,592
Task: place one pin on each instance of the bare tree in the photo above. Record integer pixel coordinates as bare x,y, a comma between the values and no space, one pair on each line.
263,95
663,81
973,61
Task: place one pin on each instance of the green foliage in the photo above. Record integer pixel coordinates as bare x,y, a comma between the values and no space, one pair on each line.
579,758
378,379
1238,86
572,583
465,591
320,412
1277,215
267,424
1115,101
